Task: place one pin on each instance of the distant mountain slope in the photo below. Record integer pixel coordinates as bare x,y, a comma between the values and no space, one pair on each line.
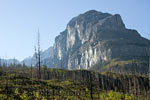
8,61
93,38
45,58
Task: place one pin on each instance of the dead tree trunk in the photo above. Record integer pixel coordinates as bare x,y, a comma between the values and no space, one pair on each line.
91,85
36,65
31,72
39,57
149,66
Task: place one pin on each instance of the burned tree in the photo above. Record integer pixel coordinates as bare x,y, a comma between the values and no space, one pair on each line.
0,67
44,67
31,72
149,65
35,61
38,56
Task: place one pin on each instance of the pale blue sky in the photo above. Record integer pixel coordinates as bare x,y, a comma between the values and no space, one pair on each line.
20,19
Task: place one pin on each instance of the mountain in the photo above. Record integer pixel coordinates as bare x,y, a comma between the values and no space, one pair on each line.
9,61
45,58
97,41
100,41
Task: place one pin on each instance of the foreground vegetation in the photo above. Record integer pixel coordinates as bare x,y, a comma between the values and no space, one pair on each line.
22,88
57,84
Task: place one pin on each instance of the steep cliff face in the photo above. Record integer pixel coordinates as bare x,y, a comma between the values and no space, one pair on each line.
95,37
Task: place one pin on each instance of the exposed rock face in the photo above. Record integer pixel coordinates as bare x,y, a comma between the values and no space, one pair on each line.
95,37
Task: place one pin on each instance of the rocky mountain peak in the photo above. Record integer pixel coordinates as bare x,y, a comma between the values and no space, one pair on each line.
89,17
93,17
114,22
94,37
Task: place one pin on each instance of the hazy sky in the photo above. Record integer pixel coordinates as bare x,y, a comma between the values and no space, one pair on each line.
20,19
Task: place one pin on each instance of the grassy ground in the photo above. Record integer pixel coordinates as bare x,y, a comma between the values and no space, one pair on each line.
17,87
